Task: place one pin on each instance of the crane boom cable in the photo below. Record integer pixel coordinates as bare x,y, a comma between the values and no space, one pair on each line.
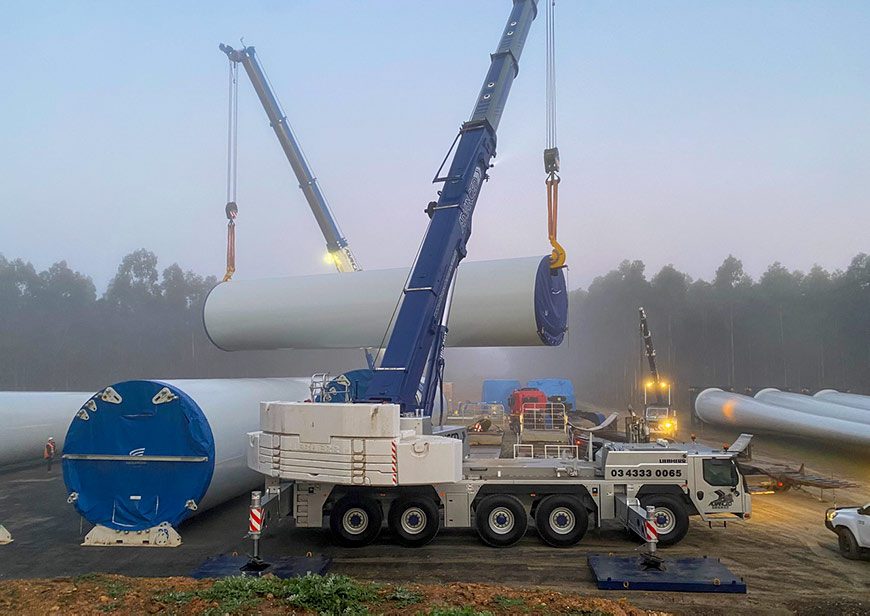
231,210
551,153
551,74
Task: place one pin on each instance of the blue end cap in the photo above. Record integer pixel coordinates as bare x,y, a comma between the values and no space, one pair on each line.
551,303
130,494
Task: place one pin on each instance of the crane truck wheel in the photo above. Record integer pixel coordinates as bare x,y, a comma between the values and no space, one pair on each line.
501,520
671,517
415,521
848,545
561,520
355,521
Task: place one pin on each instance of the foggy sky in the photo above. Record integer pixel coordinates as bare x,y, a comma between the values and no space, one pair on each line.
688,131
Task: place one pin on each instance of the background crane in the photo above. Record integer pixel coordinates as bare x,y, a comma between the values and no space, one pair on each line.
337,247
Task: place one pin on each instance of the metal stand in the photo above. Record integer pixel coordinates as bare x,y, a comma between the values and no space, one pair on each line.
650,560
160,536
255,566
5,536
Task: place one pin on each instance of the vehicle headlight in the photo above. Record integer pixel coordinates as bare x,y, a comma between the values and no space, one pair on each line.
831,515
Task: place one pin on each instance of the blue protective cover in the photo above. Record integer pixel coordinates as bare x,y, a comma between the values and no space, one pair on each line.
131,494
555,387
551,303
497,391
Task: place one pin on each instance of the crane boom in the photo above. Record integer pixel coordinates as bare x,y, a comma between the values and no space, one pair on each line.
336,244
413,354
650,353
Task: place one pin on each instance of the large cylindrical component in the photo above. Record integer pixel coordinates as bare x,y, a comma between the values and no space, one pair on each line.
141,453
812,406
29,418
510,302
854,400
719,407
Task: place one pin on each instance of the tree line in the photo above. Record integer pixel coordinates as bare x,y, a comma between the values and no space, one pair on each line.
786,329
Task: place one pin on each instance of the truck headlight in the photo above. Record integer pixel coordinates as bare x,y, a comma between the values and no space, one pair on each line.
830,515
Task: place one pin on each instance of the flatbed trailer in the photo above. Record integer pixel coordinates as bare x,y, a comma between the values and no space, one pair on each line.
350,466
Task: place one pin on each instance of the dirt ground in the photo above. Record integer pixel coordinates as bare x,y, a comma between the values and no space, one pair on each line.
95,595
787,557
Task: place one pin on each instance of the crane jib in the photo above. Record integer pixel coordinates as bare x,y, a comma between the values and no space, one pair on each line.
416,341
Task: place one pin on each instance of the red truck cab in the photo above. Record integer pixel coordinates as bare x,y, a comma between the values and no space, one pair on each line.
527,397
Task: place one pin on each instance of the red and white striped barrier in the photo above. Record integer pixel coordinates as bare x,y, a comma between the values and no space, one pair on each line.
255,520
652,534
395,464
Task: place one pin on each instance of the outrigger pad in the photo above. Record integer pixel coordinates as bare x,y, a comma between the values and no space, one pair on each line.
690,574
284,568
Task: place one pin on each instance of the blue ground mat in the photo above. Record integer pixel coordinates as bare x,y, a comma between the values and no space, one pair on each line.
689,574
287,567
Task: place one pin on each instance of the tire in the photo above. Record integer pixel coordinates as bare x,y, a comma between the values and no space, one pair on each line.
849,547
561,520
501,520
671,517
355,521
415,521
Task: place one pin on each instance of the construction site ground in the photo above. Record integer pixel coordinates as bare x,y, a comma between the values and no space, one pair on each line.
786,555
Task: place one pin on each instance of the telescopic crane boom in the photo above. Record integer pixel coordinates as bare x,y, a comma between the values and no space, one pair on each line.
413,354
650,351
336,244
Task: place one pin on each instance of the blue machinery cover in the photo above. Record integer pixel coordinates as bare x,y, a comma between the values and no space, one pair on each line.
155,457
555,387
551,303
498,391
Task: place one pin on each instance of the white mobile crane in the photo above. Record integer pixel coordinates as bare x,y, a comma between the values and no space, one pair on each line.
357,462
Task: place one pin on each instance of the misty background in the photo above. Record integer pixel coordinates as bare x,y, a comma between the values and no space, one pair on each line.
688,132
787,329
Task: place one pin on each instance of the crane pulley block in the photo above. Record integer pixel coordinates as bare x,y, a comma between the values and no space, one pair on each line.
551,160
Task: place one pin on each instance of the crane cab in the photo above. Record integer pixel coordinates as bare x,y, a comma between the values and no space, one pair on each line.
658,412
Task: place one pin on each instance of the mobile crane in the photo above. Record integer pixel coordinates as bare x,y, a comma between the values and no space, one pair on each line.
338,250
352,461
658,412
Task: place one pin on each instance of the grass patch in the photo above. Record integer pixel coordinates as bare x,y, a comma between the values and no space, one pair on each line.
116,589
404,596
329,594
507,602
87,577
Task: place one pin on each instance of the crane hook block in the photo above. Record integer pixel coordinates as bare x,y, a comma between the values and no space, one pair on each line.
232,210
551,160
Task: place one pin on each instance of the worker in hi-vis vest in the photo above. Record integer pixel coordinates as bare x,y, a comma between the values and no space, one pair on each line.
50,451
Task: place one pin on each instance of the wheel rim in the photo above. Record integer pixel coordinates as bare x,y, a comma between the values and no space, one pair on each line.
413,520
501,520
664,520
562,520
355,521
